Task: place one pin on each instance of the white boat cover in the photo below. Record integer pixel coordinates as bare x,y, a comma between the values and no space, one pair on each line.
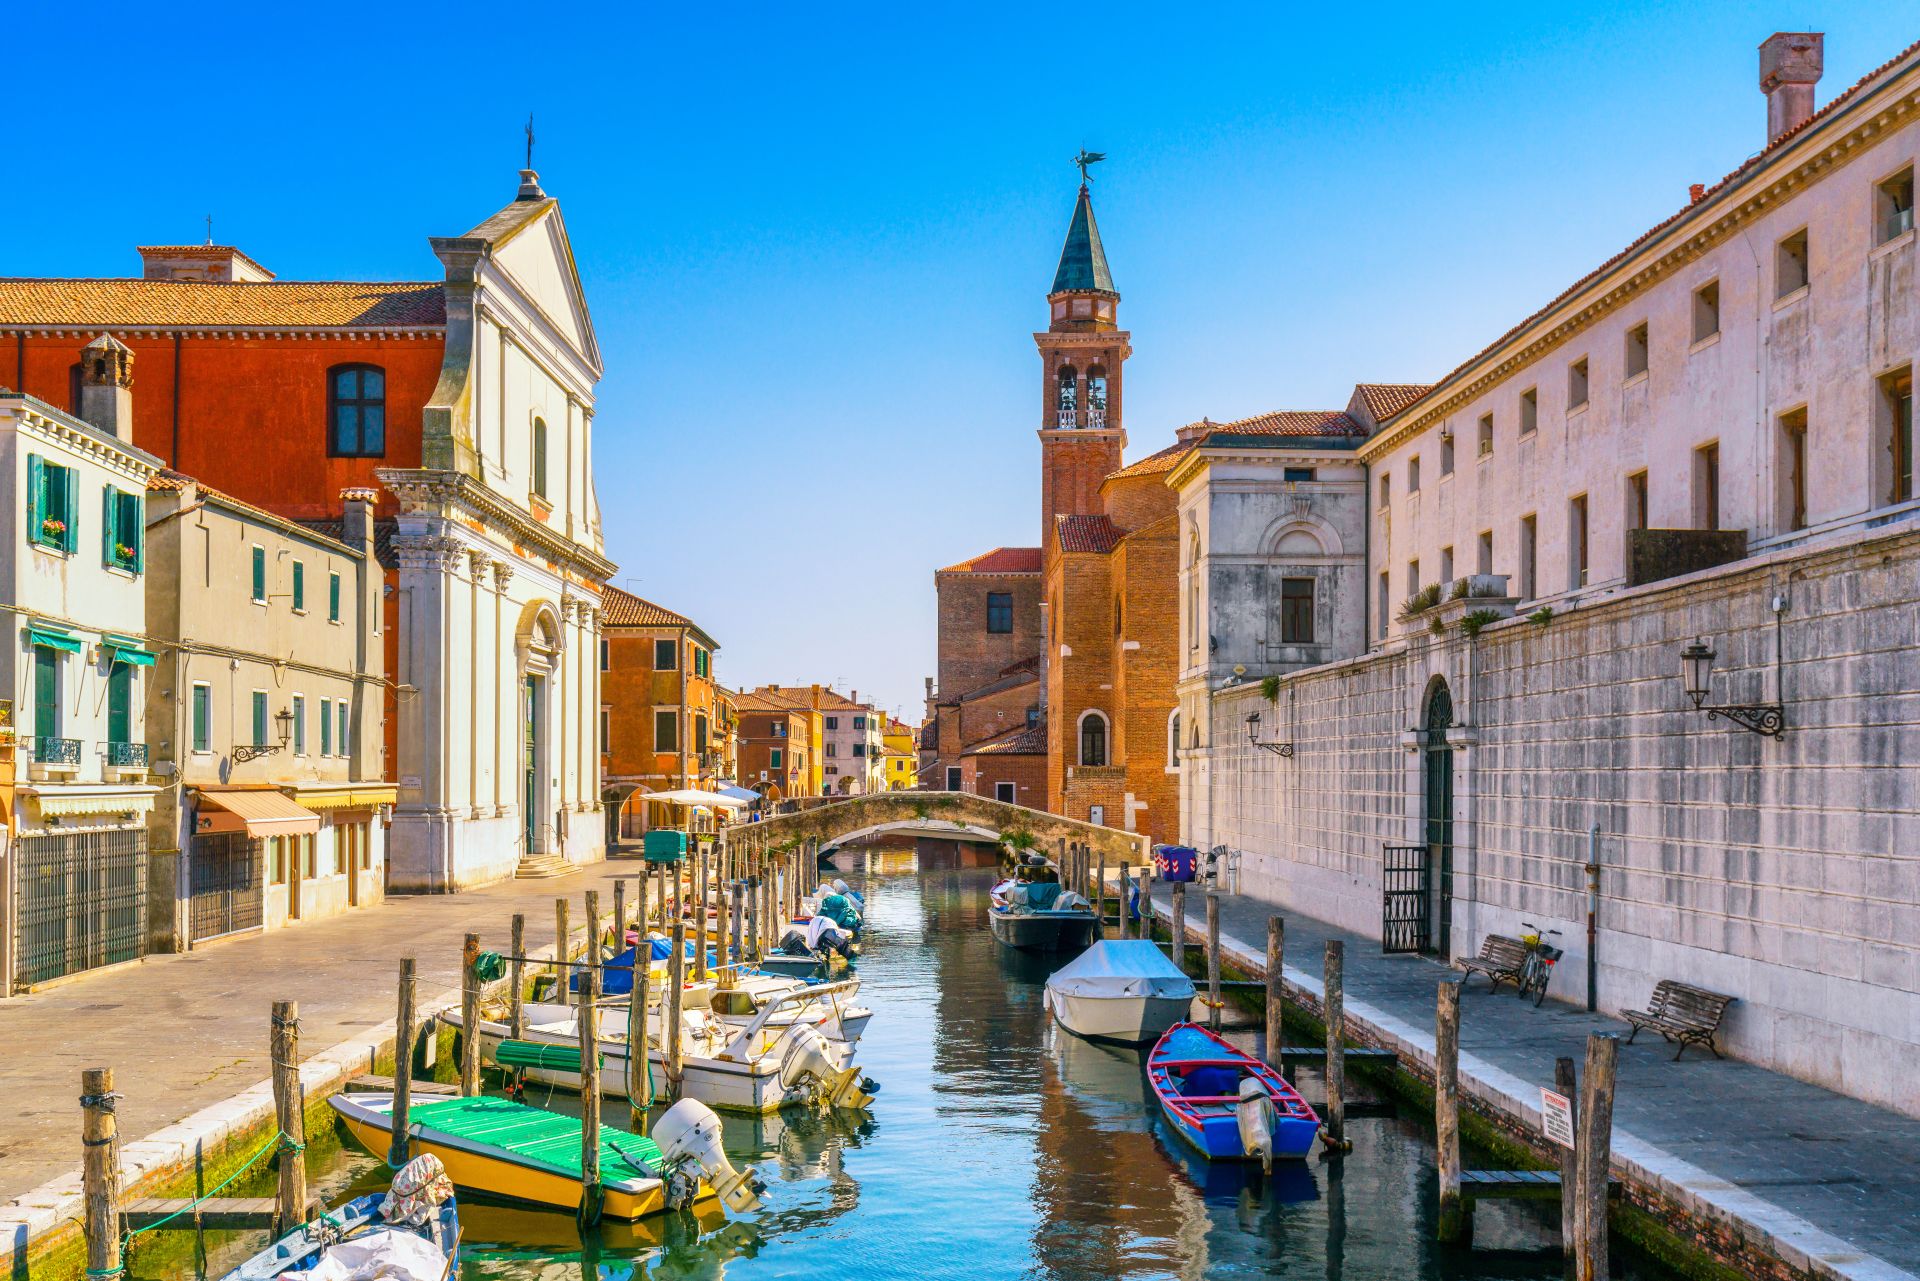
385,1254
1121,968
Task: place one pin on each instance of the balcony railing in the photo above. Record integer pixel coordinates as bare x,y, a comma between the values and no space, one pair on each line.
126,755
1065,418
1097,417
56,751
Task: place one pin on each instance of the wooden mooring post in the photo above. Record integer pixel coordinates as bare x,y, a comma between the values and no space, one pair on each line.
290,1114
517,980
1213,960
403,1038
1333,1132
637,1041
723,890
1123,922
619,928
1456,1217
1276,993
1566,1083
562,949
1146,901
100,1174
700,917
1180,924
470,1018
1100,895
676,983
591,1194
1595,1156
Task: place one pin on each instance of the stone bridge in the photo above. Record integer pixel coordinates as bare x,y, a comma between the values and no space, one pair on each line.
953,816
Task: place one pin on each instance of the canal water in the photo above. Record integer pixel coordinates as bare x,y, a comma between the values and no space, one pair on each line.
1001,1147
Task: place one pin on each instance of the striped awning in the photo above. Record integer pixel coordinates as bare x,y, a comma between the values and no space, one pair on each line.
259,813
359,797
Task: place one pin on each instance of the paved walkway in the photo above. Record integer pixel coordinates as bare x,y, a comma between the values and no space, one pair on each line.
1829,1176
185,1032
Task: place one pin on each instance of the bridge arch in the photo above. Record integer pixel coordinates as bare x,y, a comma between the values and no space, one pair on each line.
959,816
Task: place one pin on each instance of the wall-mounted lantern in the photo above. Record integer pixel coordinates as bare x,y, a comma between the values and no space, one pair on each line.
283,726
1696,673
1253,736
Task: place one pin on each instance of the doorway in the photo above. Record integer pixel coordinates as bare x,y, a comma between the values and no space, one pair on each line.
532,745
1439,814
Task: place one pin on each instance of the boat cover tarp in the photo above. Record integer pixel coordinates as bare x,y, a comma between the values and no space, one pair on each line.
1122,968
536,1135
384,1254
1037,895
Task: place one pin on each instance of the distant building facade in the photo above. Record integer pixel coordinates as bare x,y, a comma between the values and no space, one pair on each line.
664,719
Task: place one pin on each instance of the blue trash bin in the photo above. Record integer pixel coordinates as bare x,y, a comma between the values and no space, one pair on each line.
1176,862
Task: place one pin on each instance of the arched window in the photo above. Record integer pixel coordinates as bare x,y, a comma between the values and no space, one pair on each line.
1069,397
357,411
1093,738
1193,593
540,457
1097,396
1173,740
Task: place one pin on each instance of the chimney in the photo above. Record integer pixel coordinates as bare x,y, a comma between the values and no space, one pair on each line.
106,386
1790,63
1193,431
356,524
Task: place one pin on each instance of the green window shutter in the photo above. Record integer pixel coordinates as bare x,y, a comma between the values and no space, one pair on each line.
299,585
259,573
36,496
72,539
130,528
202,717
340,713
109,517
333,598
326,727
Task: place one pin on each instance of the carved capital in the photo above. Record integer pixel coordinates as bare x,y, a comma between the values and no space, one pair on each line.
502,575
431,553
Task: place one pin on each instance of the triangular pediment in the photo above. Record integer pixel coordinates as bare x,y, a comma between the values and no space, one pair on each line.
533,252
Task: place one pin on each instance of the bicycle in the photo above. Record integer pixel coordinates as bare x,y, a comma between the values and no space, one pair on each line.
1537,972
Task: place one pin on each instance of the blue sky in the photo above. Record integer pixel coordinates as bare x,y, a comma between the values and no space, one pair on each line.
816,240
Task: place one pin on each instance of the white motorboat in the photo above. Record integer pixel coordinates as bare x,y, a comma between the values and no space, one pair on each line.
1120,990
760,1067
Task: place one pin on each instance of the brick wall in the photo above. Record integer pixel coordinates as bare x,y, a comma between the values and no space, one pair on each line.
1785,872
1145,662
969,655
1026,771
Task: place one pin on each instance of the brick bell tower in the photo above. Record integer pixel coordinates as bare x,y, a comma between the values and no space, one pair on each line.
1081,354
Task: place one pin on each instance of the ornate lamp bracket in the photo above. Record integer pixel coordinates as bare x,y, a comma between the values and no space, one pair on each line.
1253,736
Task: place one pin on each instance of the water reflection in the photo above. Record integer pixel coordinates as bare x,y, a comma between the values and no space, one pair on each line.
1001,1146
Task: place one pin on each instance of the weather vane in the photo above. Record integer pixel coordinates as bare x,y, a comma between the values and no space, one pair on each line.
1086,158
529,140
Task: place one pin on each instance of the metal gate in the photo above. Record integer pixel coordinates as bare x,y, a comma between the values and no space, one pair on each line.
1406,912
224,886
82,902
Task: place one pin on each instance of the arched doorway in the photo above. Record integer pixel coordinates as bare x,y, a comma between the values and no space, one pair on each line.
1438,810
540,652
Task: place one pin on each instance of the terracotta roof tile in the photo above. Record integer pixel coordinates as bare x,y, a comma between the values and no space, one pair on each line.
1383,400
1155,463
1293,422
28,302
1001,560
1758,159
1087,533
624,609
1022,740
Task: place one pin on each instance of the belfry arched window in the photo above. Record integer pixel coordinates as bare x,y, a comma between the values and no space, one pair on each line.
1097,396
1093,738
1068,401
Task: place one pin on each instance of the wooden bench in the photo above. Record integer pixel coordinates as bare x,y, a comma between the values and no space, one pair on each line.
1501,960
1678,1012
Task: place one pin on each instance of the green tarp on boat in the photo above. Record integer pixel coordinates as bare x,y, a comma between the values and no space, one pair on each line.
538,1135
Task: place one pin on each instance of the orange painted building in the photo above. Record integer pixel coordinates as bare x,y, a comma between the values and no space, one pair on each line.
664,720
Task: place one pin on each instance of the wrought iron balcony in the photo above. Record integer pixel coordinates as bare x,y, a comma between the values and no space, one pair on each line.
56,751
126,755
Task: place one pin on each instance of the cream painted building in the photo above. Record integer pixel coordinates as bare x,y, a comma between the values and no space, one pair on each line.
1702,448
76,667
265,715
501,565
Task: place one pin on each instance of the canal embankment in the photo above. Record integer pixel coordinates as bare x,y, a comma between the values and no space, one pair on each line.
1725,1168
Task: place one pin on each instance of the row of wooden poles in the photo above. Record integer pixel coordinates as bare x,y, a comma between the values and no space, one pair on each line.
754,889
1584,1168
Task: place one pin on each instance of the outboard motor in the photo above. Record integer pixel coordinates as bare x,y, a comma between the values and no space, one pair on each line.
1254,1111
807,1060
689,1139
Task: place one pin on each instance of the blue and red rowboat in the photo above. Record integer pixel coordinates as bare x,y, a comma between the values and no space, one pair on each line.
1224,1102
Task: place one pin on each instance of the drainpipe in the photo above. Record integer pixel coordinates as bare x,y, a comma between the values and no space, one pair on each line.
1593,917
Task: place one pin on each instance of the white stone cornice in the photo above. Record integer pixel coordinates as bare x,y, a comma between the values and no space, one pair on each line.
428,491
435,553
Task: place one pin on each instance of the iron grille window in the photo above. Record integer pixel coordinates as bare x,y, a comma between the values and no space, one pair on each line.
357,411
999,612
82,902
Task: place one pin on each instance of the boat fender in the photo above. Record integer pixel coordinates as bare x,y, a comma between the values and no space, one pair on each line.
1254,1113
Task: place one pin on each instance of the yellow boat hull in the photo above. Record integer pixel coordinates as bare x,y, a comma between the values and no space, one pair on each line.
492,1176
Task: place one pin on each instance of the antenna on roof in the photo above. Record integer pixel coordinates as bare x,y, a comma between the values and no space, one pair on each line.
209,228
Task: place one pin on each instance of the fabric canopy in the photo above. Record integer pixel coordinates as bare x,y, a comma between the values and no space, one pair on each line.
695,796
123,649
51,637
262,813
1121,967
738,793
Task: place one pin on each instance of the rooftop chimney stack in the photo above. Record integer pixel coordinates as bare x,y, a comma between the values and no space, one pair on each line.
106,386
1790,64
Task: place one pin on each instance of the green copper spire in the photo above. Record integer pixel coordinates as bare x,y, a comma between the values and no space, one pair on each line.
1083,263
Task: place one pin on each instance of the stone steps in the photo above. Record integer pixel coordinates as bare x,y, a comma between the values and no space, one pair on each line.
539,867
